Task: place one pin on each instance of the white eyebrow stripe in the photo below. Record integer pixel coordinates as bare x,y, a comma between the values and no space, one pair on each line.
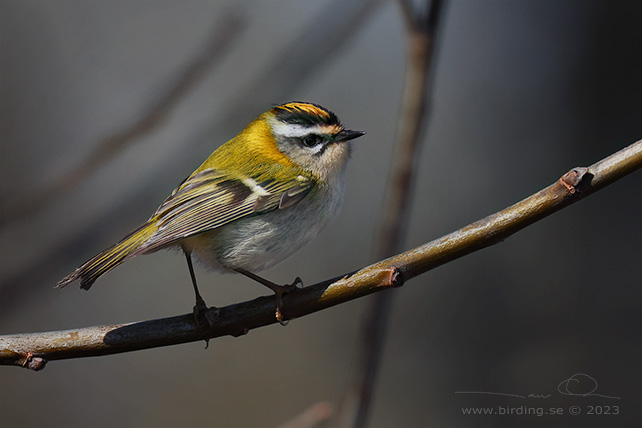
292,130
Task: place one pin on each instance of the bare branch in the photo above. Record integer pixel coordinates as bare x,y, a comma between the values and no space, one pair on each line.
293,65
220,41
315,416
408,13
33,350
422,29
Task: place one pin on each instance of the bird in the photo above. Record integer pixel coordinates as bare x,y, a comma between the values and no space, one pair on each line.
256,200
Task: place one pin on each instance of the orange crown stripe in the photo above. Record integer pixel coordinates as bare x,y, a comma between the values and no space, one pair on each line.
307,108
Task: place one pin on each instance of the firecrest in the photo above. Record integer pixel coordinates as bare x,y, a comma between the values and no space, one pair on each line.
255,201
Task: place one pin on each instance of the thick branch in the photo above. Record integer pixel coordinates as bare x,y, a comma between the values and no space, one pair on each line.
35,349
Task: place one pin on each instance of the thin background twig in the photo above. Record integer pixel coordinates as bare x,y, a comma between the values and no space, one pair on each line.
421,29
315,416
221,40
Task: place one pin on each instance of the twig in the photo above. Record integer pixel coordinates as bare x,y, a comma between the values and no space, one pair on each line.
293,65
422,29
194,72
33,350
314,416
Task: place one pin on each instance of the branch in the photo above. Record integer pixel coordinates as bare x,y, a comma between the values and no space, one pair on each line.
194,72
412,120
33,350
316,415
422,30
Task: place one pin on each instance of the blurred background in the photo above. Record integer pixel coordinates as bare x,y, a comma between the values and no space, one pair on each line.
106,106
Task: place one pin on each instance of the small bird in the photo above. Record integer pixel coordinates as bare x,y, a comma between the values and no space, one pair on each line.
255,200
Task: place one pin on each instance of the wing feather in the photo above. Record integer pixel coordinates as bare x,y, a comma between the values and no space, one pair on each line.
213,198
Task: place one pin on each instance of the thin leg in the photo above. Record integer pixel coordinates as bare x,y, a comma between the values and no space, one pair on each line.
200,306
279,291
199,300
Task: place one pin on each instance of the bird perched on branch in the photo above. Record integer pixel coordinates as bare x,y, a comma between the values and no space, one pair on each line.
254,202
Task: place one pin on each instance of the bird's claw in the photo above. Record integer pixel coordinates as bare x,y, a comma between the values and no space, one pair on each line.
201,310
284,289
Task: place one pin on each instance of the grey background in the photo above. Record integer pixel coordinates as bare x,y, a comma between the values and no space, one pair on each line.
523,91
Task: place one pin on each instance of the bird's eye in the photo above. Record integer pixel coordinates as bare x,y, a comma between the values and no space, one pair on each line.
311,140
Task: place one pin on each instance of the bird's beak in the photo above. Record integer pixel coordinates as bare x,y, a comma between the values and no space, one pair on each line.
346,135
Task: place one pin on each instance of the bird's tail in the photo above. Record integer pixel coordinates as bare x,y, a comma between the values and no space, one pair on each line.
109,258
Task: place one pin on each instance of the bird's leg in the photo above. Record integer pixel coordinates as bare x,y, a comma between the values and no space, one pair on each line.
200,306
279,291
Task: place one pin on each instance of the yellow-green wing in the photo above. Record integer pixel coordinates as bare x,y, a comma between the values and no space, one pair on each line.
213,198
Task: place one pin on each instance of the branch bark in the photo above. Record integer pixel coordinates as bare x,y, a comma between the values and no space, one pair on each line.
33,350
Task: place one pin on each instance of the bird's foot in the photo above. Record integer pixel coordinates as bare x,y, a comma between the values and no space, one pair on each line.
202,311
279,291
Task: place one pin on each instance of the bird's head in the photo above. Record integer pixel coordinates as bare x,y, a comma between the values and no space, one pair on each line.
311,136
